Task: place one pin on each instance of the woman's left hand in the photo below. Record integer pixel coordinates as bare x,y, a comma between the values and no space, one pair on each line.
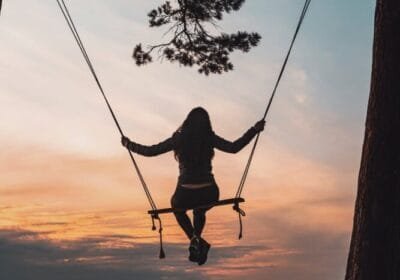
125,141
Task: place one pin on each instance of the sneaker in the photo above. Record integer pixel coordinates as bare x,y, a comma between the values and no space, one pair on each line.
204,248
194,249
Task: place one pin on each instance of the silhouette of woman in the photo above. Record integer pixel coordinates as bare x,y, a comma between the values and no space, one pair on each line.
193,144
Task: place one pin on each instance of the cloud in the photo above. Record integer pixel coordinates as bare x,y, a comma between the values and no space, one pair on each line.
300,253
24,256
293,225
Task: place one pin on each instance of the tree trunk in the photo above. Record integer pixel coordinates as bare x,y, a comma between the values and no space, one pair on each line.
375,245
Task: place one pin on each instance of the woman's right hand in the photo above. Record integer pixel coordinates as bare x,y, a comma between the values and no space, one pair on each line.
259,126
125,141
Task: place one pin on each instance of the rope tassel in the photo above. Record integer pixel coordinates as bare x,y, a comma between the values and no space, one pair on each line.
160,230
241,213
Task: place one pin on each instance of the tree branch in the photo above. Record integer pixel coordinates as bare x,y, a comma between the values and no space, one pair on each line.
191,43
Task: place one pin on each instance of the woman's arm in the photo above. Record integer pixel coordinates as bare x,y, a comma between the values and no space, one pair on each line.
234,147
148,151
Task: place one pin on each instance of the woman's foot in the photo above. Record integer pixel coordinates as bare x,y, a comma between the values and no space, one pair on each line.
194,249
204,248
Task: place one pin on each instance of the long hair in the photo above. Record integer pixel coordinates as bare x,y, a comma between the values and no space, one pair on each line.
195,141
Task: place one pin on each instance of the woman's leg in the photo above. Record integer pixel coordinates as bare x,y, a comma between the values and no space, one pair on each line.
199,221
208,195
185,223
178,200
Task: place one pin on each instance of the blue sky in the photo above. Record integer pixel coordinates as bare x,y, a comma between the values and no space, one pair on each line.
62,151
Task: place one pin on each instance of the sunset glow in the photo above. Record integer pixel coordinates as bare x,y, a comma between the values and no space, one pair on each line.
70,201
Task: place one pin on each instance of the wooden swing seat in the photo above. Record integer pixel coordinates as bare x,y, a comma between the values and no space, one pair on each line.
218,203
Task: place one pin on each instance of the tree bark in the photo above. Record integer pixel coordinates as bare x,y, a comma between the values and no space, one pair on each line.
375,244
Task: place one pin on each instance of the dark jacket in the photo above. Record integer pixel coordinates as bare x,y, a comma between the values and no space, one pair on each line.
202,173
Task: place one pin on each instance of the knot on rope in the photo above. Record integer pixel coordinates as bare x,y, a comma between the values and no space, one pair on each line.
160,230
153,217
241,213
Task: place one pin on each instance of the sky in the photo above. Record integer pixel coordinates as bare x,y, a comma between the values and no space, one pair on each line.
71,206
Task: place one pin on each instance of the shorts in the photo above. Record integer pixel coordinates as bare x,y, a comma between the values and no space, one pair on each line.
185,198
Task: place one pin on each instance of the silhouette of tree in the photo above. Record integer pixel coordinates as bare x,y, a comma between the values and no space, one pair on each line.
192,43
375,245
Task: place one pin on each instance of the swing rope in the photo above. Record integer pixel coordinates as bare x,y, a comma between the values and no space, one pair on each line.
248,164
72,27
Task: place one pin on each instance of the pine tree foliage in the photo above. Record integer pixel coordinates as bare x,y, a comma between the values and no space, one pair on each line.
192,44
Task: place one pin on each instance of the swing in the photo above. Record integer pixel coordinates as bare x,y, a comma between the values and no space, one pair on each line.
155,212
